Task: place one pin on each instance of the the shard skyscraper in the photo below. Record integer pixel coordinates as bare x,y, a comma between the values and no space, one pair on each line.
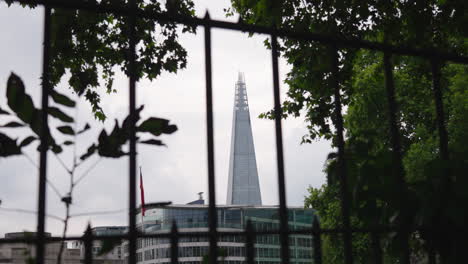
243,185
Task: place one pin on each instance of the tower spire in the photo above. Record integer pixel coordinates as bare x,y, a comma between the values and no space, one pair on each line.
243,185
240,77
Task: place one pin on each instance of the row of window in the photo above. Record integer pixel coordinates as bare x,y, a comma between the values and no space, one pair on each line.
221,262
230,262
275,253
260,225
261,239
161,253
162,219
145,242
236,262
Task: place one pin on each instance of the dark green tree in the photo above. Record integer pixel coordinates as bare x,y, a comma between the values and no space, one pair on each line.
436,187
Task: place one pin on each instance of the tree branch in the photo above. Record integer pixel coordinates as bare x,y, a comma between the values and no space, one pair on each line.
62,163
87,172
51,185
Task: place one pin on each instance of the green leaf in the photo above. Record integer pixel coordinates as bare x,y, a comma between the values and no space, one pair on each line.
126,122
27,141
57,113
153,142
110,146
22,104
56,149
67,130
86,127
8,146
13,124
3,112
89,153
62,99
157,126
18,100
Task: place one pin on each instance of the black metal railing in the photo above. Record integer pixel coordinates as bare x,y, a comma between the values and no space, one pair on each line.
335,43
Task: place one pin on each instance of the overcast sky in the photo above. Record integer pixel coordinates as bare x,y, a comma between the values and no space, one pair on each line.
176,173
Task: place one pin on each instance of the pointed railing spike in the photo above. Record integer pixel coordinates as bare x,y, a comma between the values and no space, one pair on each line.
88,245
207,15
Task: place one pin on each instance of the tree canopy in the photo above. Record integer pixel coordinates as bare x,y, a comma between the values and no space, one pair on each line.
436,187
89,47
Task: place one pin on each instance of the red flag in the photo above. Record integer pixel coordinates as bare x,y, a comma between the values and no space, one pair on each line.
142,193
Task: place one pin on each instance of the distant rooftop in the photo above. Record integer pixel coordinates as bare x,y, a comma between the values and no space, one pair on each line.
24,234
196,206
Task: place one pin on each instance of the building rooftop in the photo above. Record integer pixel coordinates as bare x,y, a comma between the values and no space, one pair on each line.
205,206
24,234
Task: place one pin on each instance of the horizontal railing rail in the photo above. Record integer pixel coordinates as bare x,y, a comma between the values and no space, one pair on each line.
283,33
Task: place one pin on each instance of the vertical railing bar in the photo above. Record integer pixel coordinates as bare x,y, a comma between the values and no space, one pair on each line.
317,241
398,170
88,244
440,117
132,232
376,247
443,137
212,216
431,255
249,243
338,122
284,237
174,243
42,192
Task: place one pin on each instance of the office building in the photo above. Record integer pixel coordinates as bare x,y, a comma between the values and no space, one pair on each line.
194,218
244,204
114,256
243,183
25,253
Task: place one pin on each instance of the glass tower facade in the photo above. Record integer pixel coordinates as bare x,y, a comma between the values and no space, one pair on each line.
194,218
244,203
243,183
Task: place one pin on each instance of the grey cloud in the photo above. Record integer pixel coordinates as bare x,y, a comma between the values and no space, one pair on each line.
174,173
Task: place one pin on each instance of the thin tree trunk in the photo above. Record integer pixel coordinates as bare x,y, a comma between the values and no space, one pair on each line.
64,234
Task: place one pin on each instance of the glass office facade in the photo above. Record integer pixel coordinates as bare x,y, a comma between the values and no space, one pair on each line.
194,218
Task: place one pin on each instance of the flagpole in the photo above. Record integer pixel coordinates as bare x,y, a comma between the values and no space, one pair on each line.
141,201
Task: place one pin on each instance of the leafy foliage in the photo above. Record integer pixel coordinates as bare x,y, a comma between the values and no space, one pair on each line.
107,145
436,188
13,124
157,126
68,130
437,24
108,245
90,46
8,146
22,104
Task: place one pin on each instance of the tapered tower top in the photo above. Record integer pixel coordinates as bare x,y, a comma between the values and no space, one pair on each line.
240,77
243,185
